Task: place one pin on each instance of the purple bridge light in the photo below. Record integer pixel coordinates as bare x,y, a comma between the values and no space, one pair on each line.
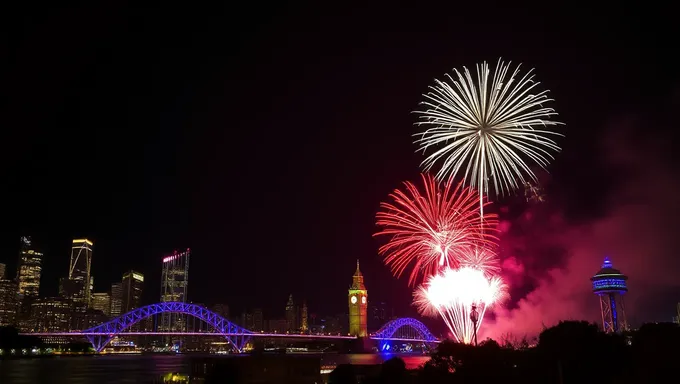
237,336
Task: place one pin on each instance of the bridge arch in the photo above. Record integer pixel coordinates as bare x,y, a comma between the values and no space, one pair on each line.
100,335
388,330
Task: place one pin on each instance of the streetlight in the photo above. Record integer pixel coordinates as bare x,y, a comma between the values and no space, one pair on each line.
474,317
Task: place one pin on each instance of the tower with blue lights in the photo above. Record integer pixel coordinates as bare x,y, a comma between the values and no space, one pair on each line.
609,285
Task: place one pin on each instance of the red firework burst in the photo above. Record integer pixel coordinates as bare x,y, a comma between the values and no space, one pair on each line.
431,230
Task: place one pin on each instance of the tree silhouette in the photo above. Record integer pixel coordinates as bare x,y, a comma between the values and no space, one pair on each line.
10,338
570,352
655,352
577,352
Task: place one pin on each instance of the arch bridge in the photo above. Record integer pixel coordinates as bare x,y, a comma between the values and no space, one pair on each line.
100,335
404,329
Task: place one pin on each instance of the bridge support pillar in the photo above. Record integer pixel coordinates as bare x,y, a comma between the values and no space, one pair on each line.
239,342
98,341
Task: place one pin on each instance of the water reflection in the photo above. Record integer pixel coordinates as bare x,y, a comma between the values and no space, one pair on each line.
142,368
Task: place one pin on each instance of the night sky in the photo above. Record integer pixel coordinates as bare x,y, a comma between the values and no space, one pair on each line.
264,139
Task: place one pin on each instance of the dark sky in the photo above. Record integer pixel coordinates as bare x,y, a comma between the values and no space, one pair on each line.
265,138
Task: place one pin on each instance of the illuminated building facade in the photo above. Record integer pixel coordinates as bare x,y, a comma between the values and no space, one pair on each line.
304,325
9,303
84,317
174,286
3,267
609,285
29,269
358,304
79,289
133,285
116,299
291,318
52,314
101,301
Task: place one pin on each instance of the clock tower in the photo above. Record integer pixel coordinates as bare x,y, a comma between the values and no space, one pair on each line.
358,303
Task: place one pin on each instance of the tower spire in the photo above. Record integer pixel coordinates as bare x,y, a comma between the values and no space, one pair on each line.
358,302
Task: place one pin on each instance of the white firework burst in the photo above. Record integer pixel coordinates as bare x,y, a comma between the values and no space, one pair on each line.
487,130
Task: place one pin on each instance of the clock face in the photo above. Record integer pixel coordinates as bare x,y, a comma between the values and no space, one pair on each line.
353,299
363,300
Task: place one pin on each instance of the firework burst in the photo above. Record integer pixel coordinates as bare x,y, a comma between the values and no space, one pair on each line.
432,229
451,295
486,128
483,259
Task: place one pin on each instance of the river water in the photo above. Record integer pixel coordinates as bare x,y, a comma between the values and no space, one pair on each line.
107,369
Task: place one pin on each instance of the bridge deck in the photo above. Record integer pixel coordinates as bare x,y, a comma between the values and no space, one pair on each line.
265,335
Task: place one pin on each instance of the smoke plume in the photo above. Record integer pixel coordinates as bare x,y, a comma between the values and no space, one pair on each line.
549,259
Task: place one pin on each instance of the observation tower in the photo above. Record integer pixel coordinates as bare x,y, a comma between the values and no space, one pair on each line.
610,285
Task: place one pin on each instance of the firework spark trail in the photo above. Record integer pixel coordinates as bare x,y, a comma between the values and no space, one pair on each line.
451,295
431,230
483,259
487,128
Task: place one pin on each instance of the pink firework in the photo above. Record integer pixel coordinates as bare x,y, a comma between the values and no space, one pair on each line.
452,294
480,258
432,229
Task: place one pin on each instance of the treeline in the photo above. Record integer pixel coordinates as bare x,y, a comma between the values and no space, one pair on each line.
570,352
10,339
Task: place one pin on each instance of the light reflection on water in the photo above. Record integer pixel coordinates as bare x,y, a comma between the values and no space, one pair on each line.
109,369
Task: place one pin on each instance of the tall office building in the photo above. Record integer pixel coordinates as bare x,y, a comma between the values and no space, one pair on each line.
133,285
52,314
116,299
174,285
2,270
304,326
79,270
91,290
29,269
101,301
291,315
9,303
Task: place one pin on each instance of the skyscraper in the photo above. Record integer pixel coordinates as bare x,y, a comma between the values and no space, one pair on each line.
101,301
29,269
358,302
79,270
133,285
116,299
174,285
52,314
291,315
303,318
9,303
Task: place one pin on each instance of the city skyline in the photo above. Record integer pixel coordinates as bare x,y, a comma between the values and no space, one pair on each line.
125,294
70,312
269,152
